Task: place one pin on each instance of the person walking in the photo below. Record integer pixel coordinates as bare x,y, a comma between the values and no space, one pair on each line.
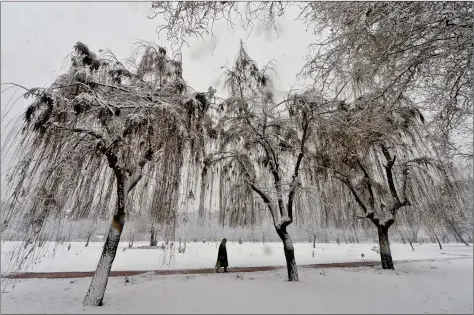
222,256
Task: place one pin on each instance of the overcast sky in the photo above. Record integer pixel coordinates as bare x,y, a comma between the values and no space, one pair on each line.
36,38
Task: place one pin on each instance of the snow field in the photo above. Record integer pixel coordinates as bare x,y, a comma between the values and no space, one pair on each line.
439,286
203,255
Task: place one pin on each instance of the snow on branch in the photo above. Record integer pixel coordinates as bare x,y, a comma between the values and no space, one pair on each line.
99,107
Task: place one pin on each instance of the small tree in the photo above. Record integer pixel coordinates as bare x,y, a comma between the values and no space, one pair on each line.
90,228
135,227
153,236
410,223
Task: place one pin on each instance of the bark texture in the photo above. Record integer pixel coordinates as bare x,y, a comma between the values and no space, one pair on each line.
385,252
96,291
289,254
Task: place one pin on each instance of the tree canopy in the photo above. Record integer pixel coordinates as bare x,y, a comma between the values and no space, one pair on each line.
101,122
423,49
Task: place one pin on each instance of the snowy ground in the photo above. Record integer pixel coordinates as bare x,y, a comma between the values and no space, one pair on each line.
439,286
199,255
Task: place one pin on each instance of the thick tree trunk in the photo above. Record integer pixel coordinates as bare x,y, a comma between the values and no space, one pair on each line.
384,244
289,254
87,242
439,243
95,294
314,240
96,291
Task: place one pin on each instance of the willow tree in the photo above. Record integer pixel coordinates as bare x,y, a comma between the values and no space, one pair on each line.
380,155
260,149
105,139
423,49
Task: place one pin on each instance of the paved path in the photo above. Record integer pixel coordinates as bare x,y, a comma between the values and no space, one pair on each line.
84,274
120,273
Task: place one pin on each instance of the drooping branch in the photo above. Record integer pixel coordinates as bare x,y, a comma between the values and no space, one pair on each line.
295,175
272,157
346,181
99,108
137,173
251,182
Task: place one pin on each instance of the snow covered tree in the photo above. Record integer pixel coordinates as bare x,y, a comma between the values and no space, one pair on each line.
421,49
377,152
106,139
89,228
409,226
135,229
261,146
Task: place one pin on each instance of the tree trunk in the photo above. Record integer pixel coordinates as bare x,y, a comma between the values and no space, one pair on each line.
461,239
96,291
314,240
153,241
384,244
403,239
289,254
457,234
411,244
356,236
87,242
439,243
95,294
456,238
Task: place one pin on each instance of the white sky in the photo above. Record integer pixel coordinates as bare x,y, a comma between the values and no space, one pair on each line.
36,38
